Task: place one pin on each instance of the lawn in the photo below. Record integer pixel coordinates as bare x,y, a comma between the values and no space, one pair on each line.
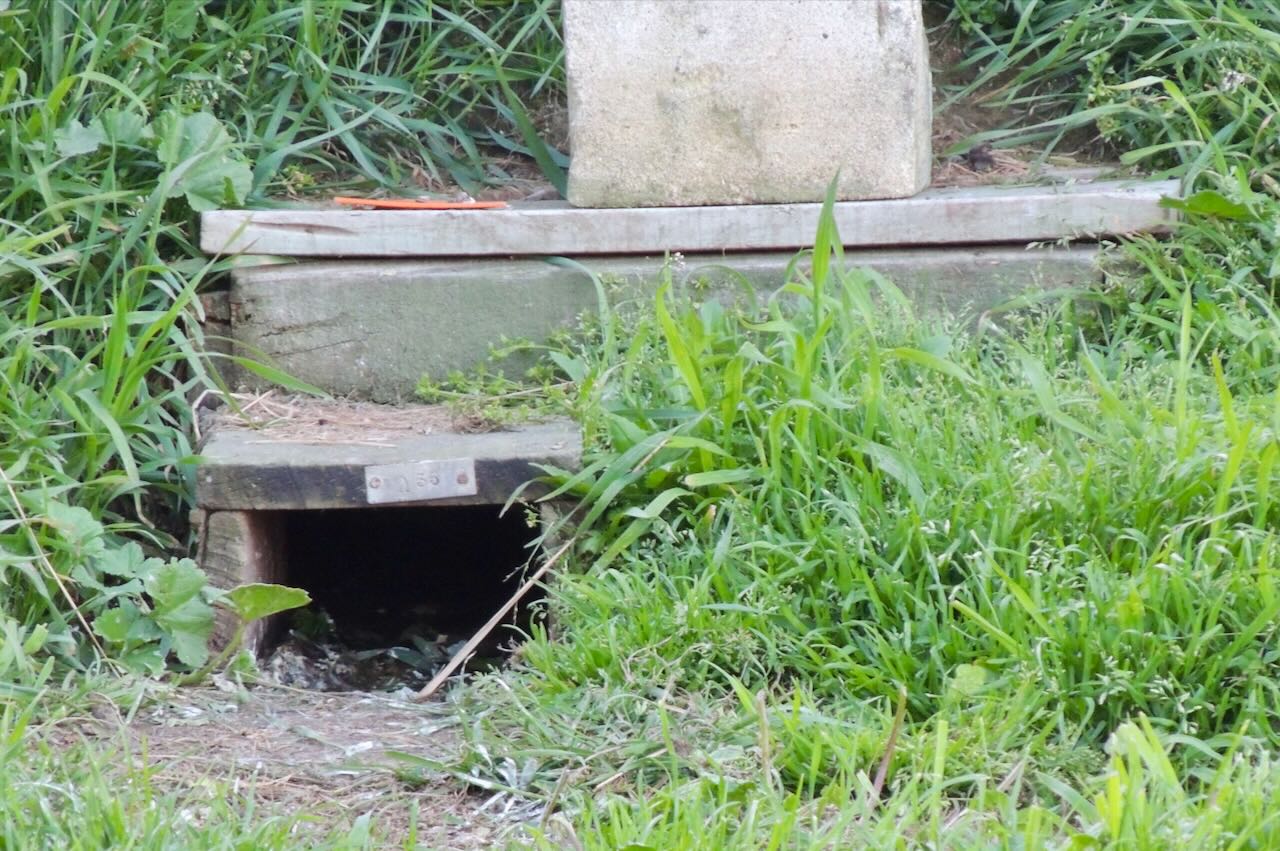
844,574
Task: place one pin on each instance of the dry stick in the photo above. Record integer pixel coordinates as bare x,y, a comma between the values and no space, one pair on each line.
882,774
470,647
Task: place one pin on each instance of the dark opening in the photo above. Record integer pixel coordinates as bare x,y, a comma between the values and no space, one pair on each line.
381,572
401,582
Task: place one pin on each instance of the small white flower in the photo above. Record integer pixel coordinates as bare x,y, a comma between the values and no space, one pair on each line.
1233,80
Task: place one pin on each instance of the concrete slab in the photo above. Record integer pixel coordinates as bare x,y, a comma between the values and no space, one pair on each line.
250,471
372,329
936,217
677,102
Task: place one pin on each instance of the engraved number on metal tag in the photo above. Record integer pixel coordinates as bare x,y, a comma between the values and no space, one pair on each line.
415,481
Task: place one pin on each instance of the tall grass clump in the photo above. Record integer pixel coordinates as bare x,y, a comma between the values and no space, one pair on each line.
98,334
1164,82
119,122
854,577
867,501
823,534
396,93
1186,88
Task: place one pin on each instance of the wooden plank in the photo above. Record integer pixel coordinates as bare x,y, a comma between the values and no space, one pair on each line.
370,329
967,215
243,470
237,547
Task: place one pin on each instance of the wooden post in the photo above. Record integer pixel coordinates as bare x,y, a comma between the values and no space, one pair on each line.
238,547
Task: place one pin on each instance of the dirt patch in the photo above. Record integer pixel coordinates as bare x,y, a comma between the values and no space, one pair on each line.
960,161
302,419
329,756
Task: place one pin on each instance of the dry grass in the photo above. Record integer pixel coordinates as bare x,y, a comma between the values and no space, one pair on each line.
300,419
290,751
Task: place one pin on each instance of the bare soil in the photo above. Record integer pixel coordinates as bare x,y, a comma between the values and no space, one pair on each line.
329,755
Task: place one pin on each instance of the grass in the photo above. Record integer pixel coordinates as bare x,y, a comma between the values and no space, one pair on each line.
1054,547
845,576
856,577
117,124
1162,83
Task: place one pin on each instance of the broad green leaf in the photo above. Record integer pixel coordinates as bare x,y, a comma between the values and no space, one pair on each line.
1042,386
175,584
190,628
1140,83
145,660
719,477
259,600
658,504
125,127
1006,640
35,641
1210,203
77,527
896,466
968,680
678,350
276,376
574,368
930,361
76,139
180,611
180,18
114,625
684,441
202,160
144,630
127,562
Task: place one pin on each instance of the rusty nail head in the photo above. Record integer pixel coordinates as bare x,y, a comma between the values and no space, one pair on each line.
375,482
462,478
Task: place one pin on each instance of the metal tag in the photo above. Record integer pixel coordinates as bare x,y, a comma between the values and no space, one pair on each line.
415,481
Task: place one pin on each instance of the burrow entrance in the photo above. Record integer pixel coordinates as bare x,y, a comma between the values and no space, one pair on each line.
395,591
390,517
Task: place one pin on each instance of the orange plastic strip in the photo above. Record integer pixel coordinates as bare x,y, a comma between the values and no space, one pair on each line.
405,204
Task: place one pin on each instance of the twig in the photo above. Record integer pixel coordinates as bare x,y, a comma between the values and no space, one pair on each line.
470,647
882,773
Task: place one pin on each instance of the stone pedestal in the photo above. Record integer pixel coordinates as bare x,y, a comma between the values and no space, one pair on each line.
688,102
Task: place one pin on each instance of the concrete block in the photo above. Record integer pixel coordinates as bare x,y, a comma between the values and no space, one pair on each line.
683,102
371,329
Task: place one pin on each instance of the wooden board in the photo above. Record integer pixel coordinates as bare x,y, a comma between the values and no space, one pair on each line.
244,470
962,215
370,329
238,547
